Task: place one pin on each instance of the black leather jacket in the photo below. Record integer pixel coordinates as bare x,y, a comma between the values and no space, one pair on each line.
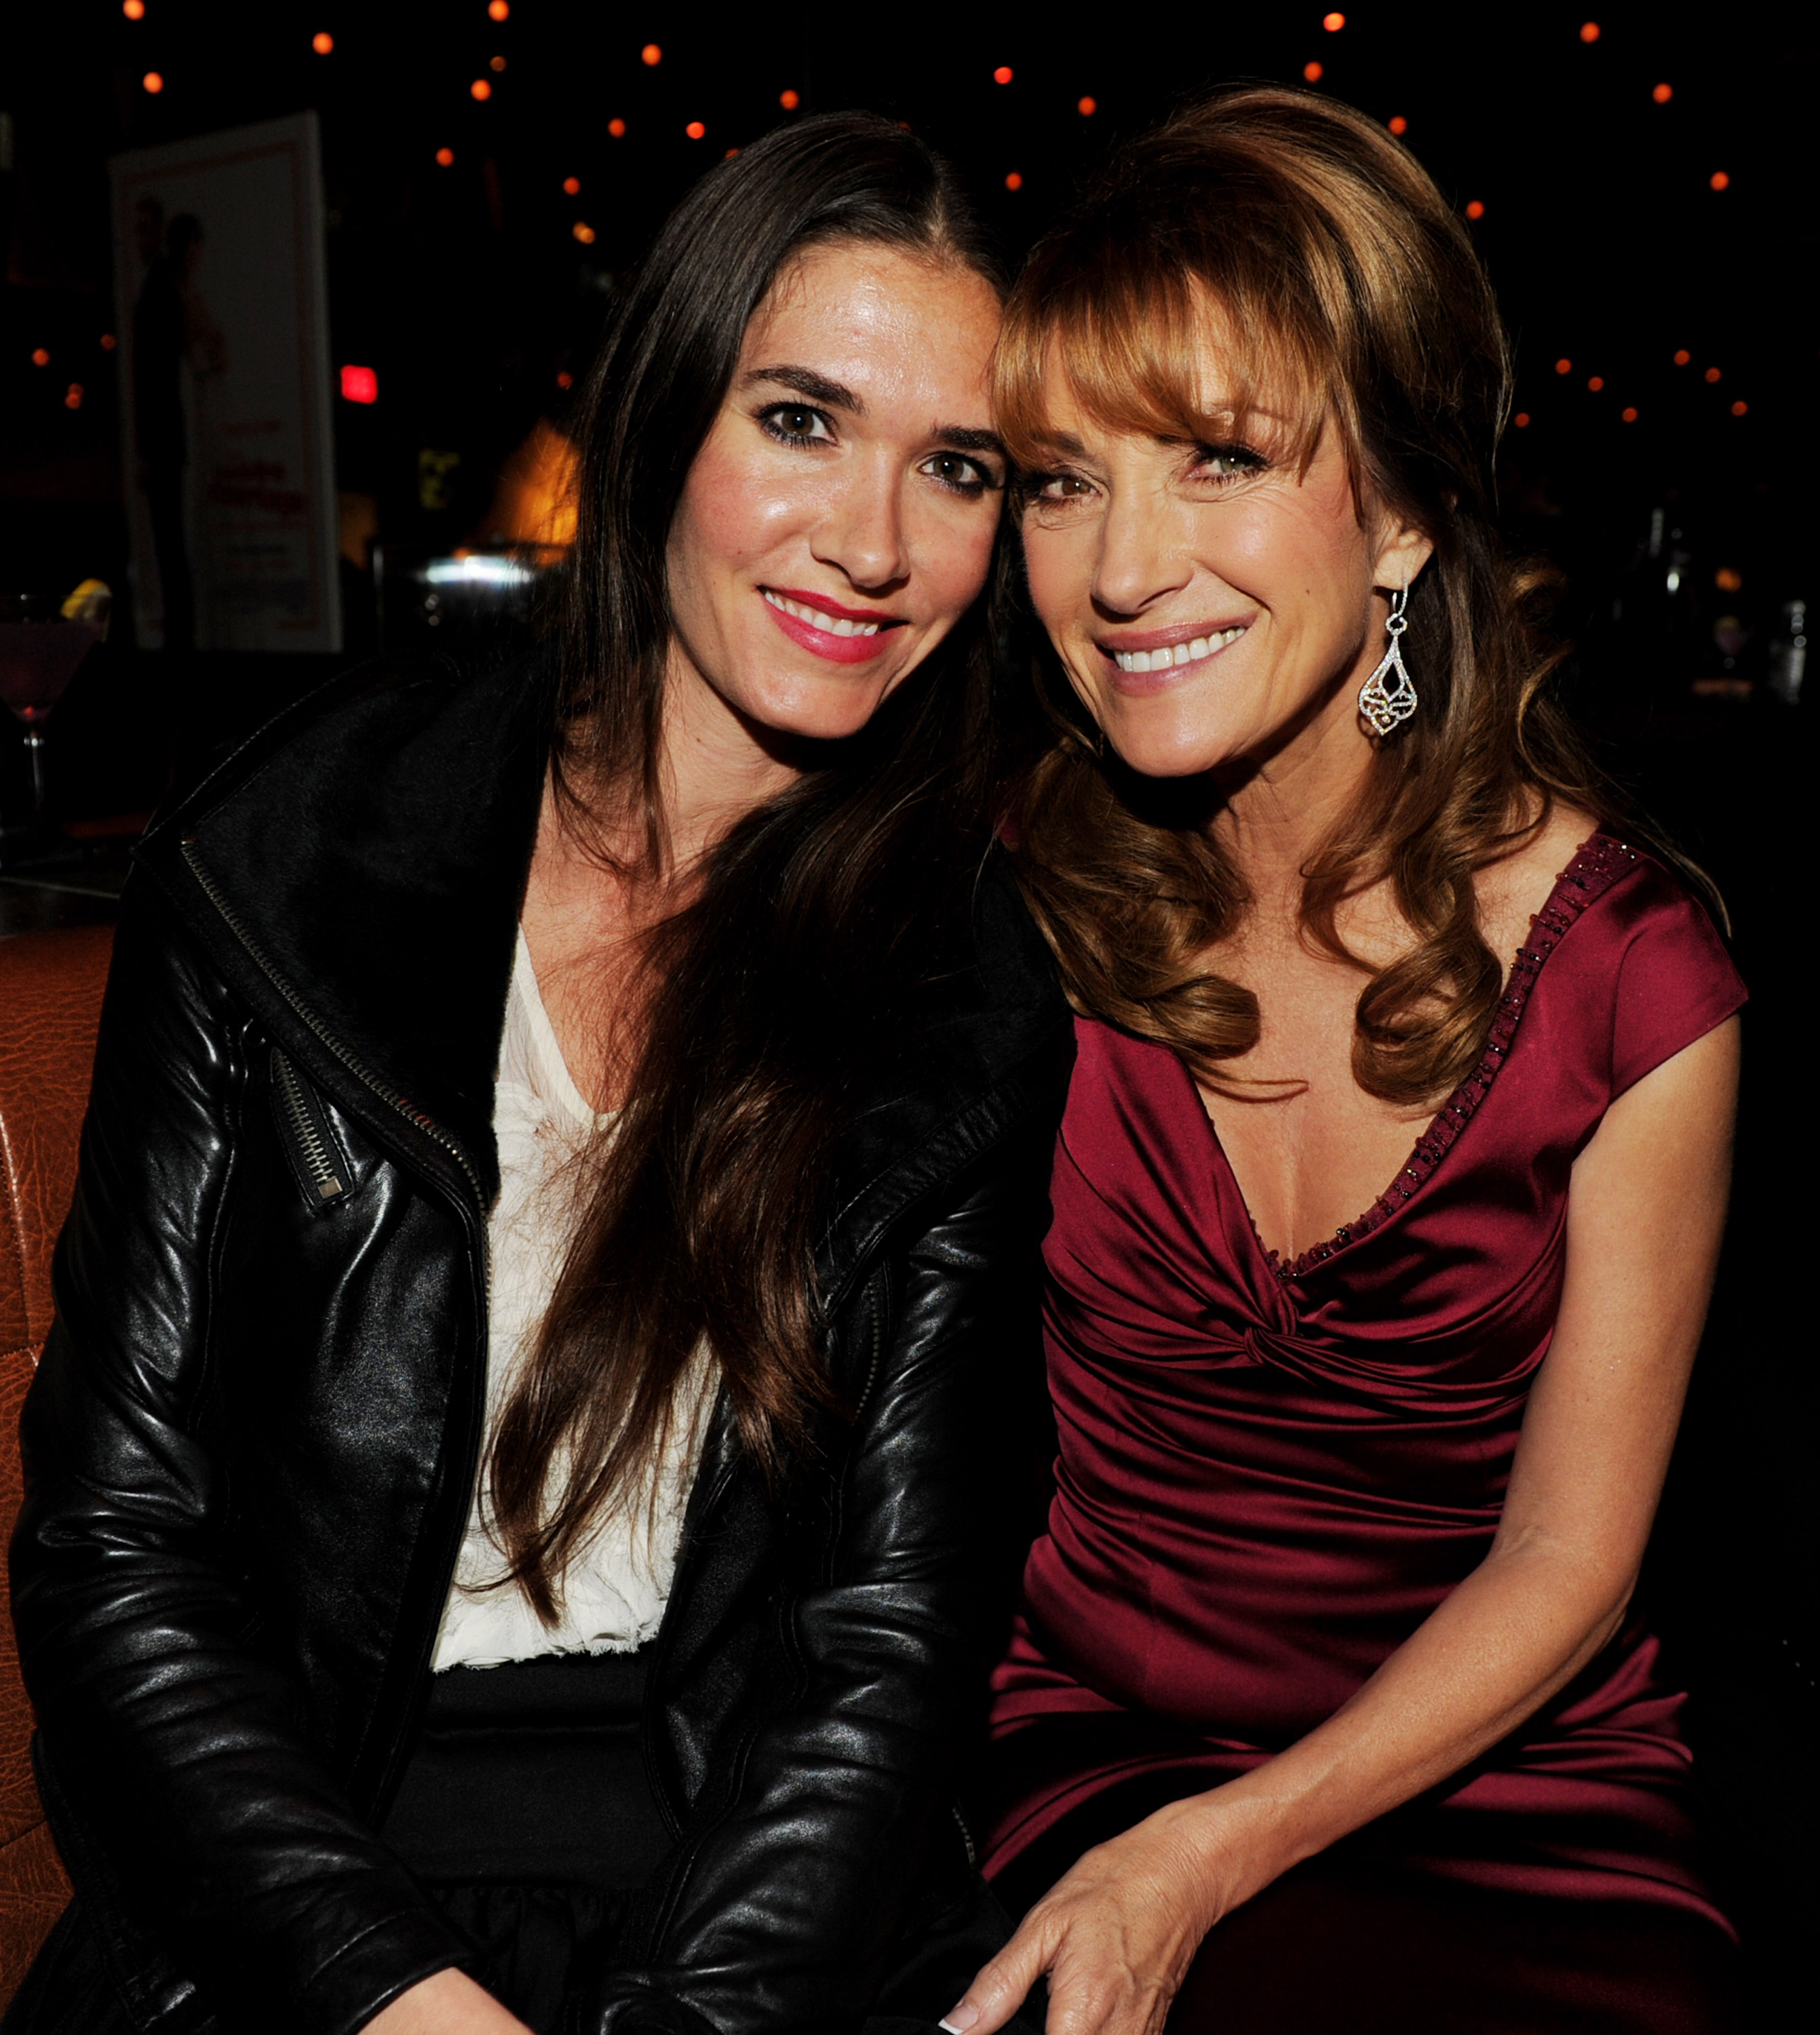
250,1446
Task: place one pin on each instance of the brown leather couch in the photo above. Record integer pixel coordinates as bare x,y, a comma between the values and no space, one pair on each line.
50,987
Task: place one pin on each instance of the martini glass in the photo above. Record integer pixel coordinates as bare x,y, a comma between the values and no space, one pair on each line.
40,651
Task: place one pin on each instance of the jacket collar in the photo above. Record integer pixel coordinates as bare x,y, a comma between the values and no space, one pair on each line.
357,868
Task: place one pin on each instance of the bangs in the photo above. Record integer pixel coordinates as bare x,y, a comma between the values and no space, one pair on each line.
1164,342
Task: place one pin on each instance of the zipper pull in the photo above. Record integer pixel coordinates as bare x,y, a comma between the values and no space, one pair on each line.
309,1138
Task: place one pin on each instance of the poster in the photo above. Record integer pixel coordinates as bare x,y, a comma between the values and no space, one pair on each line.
226,428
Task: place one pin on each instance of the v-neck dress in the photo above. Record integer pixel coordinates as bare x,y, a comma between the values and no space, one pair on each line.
1269,1474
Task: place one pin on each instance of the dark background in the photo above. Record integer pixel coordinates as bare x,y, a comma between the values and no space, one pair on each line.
466,290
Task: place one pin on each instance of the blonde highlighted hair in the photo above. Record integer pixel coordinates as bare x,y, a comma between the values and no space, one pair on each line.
1344,293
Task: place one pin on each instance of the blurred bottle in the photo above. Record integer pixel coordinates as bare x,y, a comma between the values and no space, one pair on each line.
1658,630
1788,653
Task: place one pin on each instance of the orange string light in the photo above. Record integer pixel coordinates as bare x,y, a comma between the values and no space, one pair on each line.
789,100
322,42
108,342
616,129
1711,374
1312,73
40,356
572,185
1397,124
651,55
1596,383
1014,182
497,10
1739,409
1087,107
695,130
495,63
1521,421
134,10
1332,22
1563,365
1474,209
1002,75
1628,416
444,157
153,82
481,88
1719,181
1588,32
1682,356
1662,94
72,396
583,233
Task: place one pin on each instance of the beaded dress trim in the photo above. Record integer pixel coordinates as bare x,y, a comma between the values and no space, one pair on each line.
1595,868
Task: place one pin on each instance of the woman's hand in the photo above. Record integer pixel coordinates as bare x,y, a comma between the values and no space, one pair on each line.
449,2003
1117,1933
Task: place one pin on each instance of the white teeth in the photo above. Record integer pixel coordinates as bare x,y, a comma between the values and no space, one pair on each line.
816,620
1183,653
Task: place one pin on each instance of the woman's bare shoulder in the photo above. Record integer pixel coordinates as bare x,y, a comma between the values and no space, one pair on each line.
1513,889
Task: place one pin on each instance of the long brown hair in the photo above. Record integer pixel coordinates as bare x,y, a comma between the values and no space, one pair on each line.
805,944
1346,287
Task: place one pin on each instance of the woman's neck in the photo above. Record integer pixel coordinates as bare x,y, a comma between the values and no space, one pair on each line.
715,765
1277,814
592,896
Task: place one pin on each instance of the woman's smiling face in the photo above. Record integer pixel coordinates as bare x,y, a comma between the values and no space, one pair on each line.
1208,600
839,520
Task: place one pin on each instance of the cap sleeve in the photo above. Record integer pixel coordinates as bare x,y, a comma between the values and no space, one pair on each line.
1676,981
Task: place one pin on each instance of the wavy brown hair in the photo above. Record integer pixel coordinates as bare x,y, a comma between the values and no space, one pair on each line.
799,955
1340,281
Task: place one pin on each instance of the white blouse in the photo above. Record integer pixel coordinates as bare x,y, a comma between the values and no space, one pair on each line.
613,1593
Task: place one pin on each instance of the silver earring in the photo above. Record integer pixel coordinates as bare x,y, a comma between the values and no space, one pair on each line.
1388,698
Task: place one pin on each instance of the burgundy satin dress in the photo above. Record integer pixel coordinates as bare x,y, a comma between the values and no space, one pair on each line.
1270,1474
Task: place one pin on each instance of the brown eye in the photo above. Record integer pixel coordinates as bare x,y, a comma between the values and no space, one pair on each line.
796,424
959,474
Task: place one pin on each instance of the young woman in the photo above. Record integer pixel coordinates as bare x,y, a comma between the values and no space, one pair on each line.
505,1544
1325,1710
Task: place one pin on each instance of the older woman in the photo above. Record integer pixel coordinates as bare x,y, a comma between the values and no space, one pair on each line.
502,1544
1393,1172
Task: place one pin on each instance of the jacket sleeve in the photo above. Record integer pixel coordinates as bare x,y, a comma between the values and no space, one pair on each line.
206,1841
785,1913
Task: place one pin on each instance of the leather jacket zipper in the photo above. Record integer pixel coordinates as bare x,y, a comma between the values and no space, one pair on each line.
877,1310
966,1835
390,1096
312,1140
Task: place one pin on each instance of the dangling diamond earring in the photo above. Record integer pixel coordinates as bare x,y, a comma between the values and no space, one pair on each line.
1387,706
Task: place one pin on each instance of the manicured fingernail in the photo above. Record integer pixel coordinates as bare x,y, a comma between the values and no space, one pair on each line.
960,2019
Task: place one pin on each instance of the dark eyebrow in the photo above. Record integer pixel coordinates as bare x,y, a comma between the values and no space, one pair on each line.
806,381
964,439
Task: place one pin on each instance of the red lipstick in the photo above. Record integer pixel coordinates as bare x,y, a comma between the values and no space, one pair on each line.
838,649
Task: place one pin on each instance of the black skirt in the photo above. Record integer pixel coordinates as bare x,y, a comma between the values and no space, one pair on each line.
527,1813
